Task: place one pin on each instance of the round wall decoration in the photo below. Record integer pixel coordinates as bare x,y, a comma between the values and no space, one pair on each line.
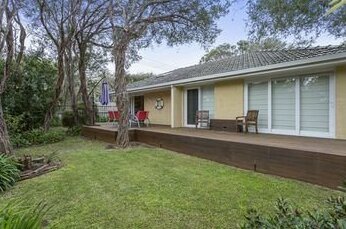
159,104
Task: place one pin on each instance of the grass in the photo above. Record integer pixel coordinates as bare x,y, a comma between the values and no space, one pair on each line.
151,188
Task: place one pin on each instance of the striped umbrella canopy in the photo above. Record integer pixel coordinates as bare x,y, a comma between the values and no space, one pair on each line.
104,99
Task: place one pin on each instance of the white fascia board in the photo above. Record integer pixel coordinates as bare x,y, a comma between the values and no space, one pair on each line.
338,58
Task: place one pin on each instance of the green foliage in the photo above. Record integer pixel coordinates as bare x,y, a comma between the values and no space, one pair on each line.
56,122
15,216
15,124
220,52
38,137
102,119
303,19
226,50
131,78
28,93
9,172
74,131
287,216
68,119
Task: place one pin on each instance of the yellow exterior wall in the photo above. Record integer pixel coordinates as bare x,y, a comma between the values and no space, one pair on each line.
341,102
163,116
177,106
229,99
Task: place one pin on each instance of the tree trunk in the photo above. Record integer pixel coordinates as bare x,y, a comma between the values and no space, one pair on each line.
5,144
83,84
58,87
71,84
121,95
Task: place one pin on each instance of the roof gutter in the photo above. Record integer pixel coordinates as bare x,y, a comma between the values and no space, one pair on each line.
338,58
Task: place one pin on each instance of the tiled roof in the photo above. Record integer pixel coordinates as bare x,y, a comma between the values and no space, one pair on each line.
241,62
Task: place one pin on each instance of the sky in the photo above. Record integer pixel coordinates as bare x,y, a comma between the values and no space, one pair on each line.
161,58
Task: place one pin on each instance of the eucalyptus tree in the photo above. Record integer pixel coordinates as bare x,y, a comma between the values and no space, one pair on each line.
91,33
220,52
305,20
55,17
10,21
137,24
227,50
70,71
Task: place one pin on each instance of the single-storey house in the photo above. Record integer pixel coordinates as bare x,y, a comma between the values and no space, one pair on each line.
297,92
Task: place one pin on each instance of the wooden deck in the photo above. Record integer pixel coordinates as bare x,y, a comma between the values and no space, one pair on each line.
314,160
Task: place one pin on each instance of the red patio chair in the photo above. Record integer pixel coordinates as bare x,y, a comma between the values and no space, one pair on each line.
142,117
113,116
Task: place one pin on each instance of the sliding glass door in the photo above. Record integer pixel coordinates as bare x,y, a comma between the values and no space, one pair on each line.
300,105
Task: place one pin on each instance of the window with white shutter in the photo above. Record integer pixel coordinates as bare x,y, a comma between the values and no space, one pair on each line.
314,103
283,104
258,100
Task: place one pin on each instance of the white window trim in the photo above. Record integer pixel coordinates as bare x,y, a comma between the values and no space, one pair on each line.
185,104
270,105
297,131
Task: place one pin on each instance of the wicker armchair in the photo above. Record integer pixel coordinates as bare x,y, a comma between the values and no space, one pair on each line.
251,119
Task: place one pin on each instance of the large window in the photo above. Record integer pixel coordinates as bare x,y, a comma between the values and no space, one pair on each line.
293,105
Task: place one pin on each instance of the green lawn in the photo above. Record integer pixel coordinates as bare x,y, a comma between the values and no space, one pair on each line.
151,188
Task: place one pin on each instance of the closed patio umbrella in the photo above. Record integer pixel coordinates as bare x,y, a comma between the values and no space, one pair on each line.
104,99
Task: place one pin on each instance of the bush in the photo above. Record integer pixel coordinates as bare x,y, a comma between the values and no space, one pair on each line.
38,137
68,119
15,124
56,122
286,216
19,217
74,131
102,119
29,91
9,172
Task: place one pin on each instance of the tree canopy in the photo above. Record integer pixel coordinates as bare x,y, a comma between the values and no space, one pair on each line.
303,19
226,50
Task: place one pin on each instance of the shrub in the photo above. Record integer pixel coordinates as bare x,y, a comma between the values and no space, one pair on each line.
38,137
286,216
102,119
56,121
74,131
68,119
9,172
15,216
15,124
29,91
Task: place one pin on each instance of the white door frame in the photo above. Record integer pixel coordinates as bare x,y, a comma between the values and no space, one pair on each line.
185,103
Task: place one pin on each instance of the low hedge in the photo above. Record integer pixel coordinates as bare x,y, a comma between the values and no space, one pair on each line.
38,137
